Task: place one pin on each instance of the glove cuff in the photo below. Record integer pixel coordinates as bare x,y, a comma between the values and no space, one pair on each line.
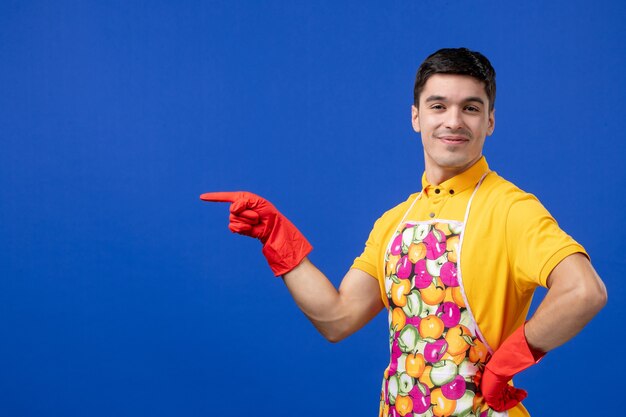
513,356
285,248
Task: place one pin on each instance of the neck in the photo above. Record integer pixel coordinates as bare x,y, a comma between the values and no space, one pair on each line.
437,174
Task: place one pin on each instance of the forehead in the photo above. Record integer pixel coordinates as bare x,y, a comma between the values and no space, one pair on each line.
453,87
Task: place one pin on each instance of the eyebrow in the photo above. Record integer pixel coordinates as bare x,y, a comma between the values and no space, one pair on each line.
442,98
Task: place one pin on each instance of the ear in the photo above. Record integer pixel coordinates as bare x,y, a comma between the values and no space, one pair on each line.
492,122
415,119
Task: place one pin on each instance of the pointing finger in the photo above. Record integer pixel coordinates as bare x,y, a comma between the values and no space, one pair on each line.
222,197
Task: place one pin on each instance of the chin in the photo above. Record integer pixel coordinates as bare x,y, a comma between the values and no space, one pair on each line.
453,163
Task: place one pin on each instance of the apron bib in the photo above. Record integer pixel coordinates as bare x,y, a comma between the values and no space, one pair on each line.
437,350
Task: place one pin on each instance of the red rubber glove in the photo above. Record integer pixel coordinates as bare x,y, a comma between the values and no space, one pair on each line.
284,246
512,357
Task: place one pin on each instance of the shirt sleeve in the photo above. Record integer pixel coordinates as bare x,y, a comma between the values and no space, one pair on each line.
371,257
535,243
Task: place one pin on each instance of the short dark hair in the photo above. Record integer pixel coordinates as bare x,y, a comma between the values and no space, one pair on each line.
459,61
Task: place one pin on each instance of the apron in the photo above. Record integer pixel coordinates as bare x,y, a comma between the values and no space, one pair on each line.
437,350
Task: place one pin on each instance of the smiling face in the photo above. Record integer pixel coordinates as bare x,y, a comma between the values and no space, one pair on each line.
453,118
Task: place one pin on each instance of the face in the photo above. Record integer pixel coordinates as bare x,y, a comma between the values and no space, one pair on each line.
453,118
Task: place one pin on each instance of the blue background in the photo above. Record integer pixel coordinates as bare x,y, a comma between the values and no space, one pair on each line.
122,294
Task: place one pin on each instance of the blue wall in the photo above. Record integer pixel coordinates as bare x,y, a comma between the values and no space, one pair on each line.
122,294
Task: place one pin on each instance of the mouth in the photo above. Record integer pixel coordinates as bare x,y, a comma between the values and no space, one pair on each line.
453,139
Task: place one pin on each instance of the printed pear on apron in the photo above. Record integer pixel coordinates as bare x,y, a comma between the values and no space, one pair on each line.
437,350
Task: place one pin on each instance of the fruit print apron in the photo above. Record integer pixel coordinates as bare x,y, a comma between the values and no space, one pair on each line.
437,350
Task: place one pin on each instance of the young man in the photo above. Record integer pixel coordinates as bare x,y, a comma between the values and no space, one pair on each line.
455,264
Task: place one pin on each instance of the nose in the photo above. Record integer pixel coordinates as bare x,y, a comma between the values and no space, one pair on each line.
453,120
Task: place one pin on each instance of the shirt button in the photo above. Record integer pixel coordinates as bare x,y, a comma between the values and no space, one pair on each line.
437,191
432,215
451,191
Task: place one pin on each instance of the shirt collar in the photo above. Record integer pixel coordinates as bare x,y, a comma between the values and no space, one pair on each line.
460,182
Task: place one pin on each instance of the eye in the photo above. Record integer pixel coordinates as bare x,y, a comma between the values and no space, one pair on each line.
437,107
472,109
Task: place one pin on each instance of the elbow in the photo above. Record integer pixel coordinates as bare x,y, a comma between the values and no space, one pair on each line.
334,333
334,337
600,299
334,330
334,340
594,298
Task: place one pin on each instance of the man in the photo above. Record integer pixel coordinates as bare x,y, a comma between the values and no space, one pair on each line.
455,264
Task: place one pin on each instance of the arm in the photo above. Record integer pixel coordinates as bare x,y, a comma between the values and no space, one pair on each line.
335,313
575,295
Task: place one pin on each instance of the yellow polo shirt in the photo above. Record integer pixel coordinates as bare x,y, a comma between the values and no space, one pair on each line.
511,244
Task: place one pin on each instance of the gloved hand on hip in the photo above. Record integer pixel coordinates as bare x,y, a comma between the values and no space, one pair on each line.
512,357
284,246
